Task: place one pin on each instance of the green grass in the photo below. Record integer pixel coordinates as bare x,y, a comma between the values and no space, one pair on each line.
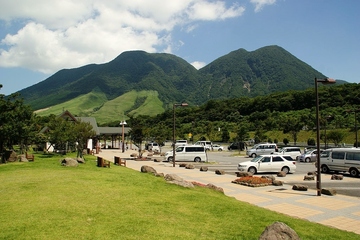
44,200
95,104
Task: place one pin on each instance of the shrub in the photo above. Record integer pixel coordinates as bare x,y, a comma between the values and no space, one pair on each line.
285,141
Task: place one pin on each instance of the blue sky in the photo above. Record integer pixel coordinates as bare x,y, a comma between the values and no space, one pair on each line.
40,37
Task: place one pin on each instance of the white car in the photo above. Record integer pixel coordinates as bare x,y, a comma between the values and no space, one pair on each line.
269,163
309,156
217,147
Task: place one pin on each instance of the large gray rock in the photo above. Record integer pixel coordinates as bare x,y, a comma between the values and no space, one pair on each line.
69,162
281,174
203,169
279,230
299,187
189,166
309,177
337,177
328,191
219,172
175,179
148,169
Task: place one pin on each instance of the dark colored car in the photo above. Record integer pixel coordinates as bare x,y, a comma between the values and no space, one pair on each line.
236,146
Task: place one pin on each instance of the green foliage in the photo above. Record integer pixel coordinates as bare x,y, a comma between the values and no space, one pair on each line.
336,136
17,124
286,141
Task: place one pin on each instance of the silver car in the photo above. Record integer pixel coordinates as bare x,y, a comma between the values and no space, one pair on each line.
309,156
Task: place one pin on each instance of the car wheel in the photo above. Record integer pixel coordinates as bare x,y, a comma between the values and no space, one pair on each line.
324,169
354,172
285,170
253,155
219,149
170,159
307,159
252,170
197,159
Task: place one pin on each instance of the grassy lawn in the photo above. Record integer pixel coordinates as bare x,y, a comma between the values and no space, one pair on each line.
44,200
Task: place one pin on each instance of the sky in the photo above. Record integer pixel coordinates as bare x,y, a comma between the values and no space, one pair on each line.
40,37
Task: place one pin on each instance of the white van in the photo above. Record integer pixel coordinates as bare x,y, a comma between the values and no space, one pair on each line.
153,146
341,160
294,152
187,153
180,143
206,144
261,149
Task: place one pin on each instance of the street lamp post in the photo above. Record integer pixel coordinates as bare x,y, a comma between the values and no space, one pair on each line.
174,138
123,123
318,167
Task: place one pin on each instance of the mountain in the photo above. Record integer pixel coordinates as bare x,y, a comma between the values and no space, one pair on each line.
166,78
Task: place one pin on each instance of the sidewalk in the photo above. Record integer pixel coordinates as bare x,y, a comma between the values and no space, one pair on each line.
339,211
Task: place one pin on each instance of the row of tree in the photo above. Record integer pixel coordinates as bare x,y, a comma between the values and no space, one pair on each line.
220,120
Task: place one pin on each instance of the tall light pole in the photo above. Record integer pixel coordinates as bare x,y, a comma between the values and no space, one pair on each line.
123,123
318,167
174,137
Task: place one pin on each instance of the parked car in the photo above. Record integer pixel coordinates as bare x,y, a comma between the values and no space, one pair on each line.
261,148
294,152
217,147
309,156
206,144
187,153
236,145
268,163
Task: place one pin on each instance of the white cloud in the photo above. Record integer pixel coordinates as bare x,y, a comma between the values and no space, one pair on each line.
198,65
68,33
259,4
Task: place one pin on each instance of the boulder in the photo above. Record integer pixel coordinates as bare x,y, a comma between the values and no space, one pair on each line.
216,188
182,165
148,169
189,166
299,187
219,172
330,191
277,183
69,162
279,230
159,175
203,169
10,156
281,174
157,160
337,177
175,179
172,177
309,177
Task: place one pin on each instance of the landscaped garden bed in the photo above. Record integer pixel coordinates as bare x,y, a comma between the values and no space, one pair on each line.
253,181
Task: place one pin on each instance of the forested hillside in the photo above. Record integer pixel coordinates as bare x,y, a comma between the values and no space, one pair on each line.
289,111
171,79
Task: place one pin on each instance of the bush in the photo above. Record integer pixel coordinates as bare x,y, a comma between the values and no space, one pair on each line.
285,141
276,141
269,140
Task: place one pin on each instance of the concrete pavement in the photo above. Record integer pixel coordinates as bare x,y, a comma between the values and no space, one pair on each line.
339,211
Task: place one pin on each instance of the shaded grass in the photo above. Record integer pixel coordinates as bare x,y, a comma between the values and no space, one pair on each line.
43,200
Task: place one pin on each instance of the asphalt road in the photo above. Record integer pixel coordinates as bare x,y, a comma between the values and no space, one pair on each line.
228,161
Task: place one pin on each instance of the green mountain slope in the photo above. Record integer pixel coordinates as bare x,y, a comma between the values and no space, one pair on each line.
95,104
266,70
137,82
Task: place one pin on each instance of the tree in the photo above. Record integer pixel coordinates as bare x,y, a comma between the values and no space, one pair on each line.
16,121
82,132
293,126
336,136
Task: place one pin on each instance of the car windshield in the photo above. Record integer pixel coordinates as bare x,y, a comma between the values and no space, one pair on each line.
256,159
